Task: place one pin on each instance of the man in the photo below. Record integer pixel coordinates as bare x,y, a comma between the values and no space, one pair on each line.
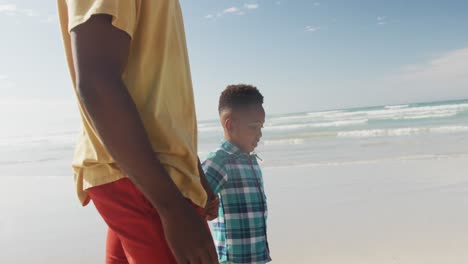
136,157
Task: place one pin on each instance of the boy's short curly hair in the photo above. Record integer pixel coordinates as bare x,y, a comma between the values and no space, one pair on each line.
239,96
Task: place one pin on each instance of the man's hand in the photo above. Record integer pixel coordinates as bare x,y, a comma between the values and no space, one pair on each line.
188,237
211,209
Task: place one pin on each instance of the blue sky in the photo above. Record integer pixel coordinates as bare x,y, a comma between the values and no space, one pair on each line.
304,55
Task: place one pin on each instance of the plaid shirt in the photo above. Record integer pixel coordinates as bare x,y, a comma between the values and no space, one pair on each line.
240,229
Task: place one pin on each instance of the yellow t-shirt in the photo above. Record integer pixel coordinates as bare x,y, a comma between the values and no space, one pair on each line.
158,78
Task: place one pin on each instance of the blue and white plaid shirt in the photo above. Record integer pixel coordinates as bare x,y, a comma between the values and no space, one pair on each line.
240,229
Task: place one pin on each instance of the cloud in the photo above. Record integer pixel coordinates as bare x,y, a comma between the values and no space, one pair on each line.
278,2
50,19
28,12
312,29
447,68
13,10
234,10
442,76
317,4
382,20
251,6
5,82
231,10
8,9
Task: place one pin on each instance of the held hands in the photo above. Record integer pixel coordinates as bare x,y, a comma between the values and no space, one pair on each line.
211,208
188,236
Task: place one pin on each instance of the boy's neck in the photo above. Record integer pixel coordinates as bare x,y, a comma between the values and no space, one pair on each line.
236,145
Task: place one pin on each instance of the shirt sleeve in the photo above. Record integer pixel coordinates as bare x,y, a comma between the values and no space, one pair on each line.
123,12
215,175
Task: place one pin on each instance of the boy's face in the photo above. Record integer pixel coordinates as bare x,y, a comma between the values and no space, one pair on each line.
244,128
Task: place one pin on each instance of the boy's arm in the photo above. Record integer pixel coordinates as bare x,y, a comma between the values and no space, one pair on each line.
100,53
215,174
211,195
211,207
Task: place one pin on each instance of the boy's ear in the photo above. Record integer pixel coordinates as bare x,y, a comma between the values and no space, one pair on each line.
228,124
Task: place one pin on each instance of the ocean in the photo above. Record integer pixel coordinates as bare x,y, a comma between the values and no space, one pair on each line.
358,135
382,184
435,130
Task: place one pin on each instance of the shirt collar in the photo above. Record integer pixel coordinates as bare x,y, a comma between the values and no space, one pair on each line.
234,150
230,148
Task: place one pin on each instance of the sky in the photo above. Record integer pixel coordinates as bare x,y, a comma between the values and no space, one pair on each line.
303,55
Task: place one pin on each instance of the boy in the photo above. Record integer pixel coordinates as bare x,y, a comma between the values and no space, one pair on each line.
232,172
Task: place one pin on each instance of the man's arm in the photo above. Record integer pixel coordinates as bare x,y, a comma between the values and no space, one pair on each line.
100,53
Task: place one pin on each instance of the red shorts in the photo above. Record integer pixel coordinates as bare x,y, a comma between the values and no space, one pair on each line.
135,233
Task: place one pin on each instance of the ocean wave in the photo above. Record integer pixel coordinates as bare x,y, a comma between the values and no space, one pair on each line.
324,112
288,118
302,118
449,129
341,123
290,141
416,112
385,113
54,139
396,106
397,112
367,161
406,113
20,162
430,115
395,132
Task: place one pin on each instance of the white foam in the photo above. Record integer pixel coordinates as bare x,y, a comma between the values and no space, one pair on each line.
370,161
324,113
449,129
340,123
289,118
398,112
57,139
391,112
343,123
395,132
362,133
434,115
291,141
301,118
405,131
396,106
415,112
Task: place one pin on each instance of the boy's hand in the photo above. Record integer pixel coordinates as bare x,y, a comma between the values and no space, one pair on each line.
211,209
188,236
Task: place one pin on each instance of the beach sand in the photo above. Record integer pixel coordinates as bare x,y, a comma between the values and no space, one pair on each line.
405,212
